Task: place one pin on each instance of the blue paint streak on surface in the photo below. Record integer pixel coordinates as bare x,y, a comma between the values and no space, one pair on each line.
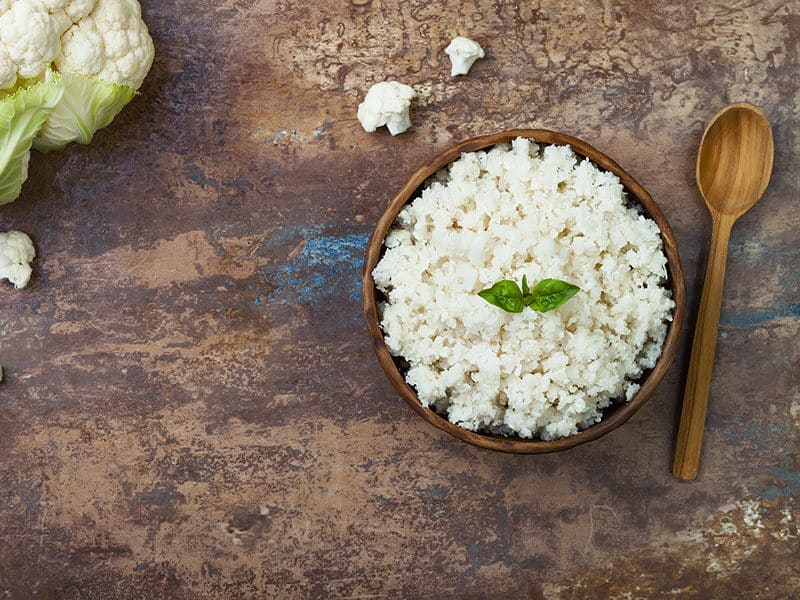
750,320
437,491
327,266
197,175
749,433
479,555
790,480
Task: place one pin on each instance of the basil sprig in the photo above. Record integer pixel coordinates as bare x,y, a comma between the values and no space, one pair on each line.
547,295
505,294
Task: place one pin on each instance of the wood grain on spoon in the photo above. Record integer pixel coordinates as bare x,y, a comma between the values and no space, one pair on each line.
734,165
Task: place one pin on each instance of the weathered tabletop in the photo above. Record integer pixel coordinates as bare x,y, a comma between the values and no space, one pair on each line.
191,406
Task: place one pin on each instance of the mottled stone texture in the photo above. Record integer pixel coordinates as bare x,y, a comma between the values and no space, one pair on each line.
191,406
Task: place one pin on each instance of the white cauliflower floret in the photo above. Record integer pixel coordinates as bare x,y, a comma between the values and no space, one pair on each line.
30,36
16,254
67,12
8,70
103,39
387,103
74,9
112,43
463,53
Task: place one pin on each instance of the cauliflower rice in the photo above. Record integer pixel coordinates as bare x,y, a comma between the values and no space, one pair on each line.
498,214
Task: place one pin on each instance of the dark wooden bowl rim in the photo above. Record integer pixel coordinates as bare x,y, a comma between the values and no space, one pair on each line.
622,411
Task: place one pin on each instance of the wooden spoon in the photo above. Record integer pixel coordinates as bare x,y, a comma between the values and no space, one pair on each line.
734,165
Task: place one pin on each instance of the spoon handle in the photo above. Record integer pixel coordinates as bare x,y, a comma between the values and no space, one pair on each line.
698,379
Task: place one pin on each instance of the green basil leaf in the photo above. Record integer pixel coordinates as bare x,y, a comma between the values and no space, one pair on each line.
549,294
526,291
504,294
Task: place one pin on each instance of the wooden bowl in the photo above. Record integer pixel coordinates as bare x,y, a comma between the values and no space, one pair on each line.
613,416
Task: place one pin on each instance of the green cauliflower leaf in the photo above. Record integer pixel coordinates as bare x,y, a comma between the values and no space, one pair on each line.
22,114
86,106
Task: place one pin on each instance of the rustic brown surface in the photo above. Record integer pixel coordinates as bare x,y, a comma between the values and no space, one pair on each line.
192,408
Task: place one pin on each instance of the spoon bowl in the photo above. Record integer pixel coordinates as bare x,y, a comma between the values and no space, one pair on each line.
734,163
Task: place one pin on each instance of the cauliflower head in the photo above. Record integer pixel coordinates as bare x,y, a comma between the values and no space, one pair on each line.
16,255
92,54
103,39
30,35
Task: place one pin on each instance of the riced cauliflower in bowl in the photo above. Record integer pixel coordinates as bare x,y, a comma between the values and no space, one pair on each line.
548,207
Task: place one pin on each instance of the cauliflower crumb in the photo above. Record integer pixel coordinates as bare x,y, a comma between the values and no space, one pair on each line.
387,103
498,214
16,254
463,53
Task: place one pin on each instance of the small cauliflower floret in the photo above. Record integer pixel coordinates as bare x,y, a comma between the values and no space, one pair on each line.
387,103
463,53
16,254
